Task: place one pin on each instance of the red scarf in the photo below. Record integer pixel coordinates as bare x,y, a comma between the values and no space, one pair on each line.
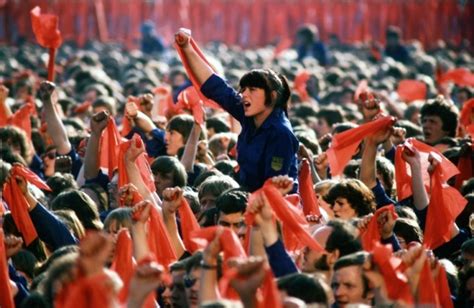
371,236
6,295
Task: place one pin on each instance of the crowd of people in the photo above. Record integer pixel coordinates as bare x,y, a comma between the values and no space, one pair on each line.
319,175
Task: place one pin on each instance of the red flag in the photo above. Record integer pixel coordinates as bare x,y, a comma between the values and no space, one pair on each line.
21,119
194,81
189,225
395,281
158,239
6,295
467,113
45,28
465,167
17,201
81,108
403,172
141,163
345,144
109,147
308,196
189,99
459,76
371,236
299,85
123,263
426,293
410,90
444,293
446,203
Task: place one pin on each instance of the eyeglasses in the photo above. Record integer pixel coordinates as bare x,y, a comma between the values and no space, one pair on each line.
50,155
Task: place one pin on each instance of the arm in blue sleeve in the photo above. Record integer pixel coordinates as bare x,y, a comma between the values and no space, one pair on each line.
393,241
50,229
280,262
76,162
390,155
280,153
448,249
381,197
219,91
21,284
37,166
102,179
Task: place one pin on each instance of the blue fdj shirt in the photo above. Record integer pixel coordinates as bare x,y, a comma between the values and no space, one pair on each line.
262,152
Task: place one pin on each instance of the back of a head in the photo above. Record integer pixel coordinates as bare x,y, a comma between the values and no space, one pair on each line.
353,259
304,287
60,182
331,114
216,185
409,230
232,201
84,207
106,102
343,238
218,124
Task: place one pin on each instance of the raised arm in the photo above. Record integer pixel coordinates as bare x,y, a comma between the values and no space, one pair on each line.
56,129
4,108
198,66
141,120
190,149
368,165
420,196
171,201
91,159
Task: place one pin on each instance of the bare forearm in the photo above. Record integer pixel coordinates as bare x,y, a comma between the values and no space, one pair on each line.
198,66
136,179
140,244
144,122
190,149
91,161
172,228
209,289
367,166
420,196
56,129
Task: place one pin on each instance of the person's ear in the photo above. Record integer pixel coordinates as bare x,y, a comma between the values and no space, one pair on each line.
332,257
274,97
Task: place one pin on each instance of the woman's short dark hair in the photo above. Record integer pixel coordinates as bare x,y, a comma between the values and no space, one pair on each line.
269,81
409,230
358,195
182,123
304,287
167,165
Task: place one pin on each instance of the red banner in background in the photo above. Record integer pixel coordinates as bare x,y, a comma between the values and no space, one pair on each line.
244,22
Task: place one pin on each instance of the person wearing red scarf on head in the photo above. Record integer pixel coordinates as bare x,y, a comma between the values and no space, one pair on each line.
267,145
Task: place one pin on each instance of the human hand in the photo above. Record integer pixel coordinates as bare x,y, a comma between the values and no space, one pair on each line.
398,135
434,161
147,278
386,222
283,183
172,198
259,206
46,90
95,250
141,211
411,155
13,245
363,223
99,122
136,148
131,109
250,276
3,93
127,194
182,37
213,248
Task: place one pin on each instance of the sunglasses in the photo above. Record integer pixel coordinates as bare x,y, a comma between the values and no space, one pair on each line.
189,281
50,155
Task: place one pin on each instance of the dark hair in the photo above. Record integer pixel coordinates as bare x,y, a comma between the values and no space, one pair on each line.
218,124
107,102
227,167
409,230
331,114
12,135
463,218
359,196
412,130
216,185
304,287
183,124
84,207
444,109
60,182
167,165
26,262
343,238
387,171
269,81
232,201
72,222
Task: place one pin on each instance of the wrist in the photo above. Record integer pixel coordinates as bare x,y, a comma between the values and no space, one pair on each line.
208,260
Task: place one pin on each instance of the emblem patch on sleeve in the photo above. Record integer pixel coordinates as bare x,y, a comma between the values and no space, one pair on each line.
277,163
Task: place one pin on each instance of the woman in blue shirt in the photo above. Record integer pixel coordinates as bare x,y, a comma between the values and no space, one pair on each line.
266,146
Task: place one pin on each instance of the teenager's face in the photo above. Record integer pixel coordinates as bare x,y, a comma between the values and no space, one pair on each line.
322,127
235,221
313,260
342,209
162,181
174,141
348,286
253,100
432,128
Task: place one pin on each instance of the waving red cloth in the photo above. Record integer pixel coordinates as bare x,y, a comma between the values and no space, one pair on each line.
371,236
163,105
345,144
426,293
194,81
459,76
189,225
81,108
109,147
395,281
446,203
45,28
123,263
17,202
189,99
6,295
403,171
287,214
465,167
300,83
141,163
308,196
21,119
411,90
467,113
444,293
159,240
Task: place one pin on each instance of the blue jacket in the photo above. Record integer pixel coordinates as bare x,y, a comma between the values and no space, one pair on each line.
262,153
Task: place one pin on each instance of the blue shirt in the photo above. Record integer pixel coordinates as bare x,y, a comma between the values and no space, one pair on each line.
263,152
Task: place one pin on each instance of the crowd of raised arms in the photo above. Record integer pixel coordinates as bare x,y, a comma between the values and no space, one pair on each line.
322,175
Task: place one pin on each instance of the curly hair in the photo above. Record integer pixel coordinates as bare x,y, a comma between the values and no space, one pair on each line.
358,195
